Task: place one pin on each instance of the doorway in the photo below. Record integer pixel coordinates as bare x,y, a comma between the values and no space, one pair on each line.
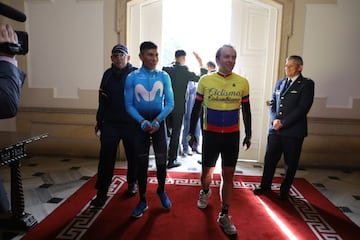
251,26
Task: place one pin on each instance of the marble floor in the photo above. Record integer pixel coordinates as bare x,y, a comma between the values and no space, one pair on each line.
48,181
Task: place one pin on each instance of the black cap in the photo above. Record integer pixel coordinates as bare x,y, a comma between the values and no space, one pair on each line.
120,48
180,53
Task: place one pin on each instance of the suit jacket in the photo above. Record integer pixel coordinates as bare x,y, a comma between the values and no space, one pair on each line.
11,81
180,76
291,106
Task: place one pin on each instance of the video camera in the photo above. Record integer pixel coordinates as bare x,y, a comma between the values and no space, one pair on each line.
22,47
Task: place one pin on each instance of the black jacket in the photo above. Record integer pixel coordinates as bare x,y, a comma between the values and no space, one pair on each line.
180,76
11,82
111,97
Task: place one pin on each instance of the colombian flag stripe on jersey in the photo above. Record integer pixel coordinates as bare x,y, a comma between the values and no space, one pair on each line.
222,118
199,96
245,99
228,129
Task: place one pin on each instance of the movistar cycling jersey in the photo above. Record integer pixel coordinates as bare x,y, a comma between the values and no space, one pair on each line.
222,97
148,94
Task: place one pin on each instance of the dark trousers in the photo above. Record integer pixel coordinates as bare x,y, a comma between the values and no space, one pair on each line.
4,202
276,146
143,141
174,122
111,134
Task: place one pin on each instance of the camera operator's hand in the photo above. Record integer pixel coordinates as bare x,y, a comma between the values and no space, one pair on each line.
7,35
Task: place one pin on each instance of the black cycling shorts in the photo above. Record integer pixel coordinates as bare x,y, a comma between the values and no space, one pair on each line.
224,144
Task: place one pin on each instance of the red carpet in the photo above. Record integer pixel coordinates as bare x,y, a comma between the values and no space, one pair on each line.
306,215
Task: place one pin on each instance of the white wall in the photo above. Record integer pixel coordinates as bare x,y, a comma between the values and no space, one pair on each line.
70,42
66,45
331,51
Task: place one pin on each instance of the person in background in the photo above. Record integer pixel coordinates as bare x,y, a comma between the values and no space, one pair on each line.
114,124
149,100
211,67
11,82
180,76
222,95
291,101
190,99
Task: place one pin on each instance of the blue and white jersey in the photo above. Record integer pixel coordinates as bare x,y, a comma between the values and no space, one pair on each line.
148,95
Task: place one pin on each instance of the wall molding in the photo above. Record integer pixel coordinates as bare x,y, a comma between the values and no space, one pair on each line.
319,109
331,143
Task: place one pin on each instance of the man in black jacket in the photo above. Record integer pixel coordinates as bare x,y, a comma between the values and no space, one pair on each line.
114,124
180,76
291,101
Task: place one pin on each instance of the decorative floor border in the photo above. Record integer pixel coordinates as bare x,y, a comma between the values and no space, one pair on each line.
87,216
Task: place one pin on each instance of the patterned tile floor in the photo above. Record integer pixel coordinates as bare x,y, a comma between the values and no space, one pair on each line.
48,181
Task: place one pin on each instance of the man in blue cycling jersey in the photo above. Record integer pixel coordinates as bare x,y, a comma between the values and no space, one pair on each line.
149,99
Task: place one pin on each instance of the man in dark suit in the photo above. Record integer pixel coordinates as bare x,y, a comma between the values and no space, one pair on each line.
12,78
291,101
11,82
